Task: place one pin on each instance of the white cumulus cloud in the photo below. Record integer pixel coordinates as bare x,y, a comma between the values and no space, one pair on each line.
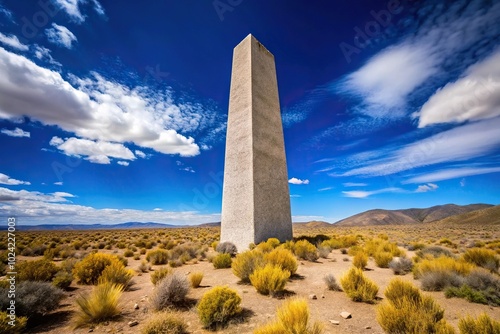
123,163
95,151
294,180
60,35
426,187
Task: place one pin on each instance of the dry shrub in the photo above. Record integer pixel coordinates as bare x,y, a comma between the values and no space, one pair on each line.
91,267
482,257
222,261
382,259
99,306
482,325
217,306
6,328
305,250
283,258
401,265
165,322
245,263
358,287
444,264
32,298
62,280
360,260
118,274
227,247
331,283
292,317
158,256
480,286
439,280
269,279
170,291
39,270
195,279
160,274
407,311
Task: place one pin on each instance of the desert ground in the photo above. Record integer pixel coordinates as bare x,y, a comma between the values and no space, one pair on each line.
257,309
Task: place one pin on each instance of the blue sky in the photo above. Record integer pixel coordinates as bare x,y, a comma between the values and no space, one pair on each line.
114,111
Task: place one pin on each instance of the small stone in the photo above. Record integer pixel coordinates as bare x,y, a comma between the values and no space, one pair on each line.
368,327
335,322
322,296
91,330
136,306
345,315
133,323
313,296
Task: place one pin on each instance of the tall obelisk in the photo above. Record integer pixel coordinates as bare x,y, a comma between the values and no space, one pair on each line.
256,198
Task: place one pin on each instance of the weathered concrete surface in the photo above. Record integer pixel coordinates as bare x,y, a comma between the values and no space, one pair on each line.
256,197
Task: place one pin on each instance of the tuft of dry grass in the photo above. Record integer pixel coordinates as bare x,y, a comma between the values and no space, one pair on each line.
100,305
195,279
269,279
358,287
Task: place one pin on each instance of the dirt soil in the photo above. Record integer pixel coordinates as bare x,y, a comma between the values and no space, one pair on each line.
259,309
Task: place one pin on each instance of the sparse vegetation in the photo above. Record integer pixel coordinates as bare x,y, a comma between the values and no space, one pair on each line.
245,263
165,322
482,257
170,291
157,256
360,260
358,287
481,325
269,279
195,279
160,274
292,317
117,273
6,328
91,267
331,283
100,305
222,261
218,306
305,250
406,310
226,248
282,258
39,270
401,265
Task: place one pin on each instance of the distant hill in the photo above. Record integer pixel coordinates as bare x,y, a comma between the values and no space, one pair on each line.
409,216
313,224
72,227
488,216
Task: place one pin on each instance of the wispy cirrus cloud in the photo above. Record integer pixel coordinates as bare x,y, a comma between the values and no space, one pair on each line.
426,188
451,173
365,194
60,35
73,8
17,132
13,42
6,13
43,54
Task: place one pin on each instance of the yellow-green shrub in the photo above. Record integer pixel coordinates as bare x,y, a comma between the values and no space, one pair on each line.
158,256
6,328
195,279
39,270
283,258
222,260
165,322
482,325
360,260
118,274
305,250
160,274
382,259
442,264
218,305
245,263
100,305
269,279
91,267
292,317
358,287
482,257
406,310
